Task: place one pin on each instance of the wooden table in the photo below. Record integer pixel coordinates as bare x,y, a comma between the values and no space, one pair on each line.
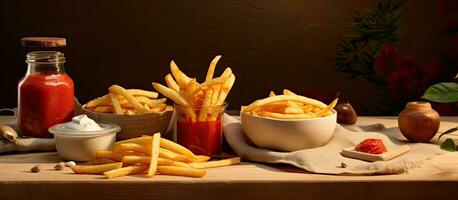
436,179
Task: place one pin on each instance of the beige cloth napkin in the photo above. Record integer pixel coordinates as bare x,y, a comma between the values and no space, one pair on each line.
327,159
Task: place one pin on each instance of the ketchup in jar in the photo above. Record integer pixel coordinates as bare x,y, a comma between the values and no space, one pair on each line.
45,94
200,128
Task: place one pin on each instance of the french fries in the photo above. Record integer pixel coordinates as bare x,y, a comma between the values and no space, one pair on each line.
288,105
181,171
146,160
219,163
134,169
123,101
110,155
150,155
154,154
95,169
186,91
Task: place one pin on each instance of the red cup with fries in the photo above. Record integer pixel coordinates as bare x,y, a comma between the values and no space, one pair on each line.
199,128
200,107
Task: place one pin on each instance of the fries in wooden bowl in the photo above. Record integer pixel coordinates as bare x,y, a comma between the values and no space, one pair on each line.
138,112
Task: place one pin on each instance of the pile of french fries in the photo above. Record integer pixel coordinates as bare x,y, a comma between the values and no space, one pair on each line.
150,155
289,106
206,96
123,101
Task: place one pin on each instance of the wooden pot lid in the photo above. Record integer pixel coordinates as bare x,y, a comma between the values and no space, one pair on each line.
43,42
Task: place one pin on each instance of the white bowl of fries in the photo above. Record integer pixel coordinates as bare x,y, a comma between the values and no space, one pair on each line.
137,112
289,122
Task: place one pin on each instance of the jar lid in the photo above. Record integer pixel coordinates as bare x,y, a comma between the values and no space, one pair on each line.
43,42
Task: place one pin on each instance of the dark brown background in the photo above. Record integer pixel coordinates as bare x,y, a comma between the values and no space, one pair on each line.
266,42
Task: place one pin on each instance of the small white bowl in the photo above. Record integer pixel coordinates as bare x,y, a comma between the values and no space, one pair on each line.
82,145
289,134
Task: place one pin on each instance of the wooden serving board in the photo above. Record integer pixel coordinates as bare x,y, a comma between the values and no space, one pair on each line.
352,153
438,178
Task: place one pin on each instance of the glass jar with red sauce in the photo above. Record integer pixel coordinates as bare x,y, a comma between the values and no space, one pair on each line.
45,94
200,129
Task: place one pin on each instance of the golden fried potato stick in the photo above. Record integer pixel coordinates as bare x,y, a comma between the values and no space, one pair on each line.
171,83
103,109
181,78
105,99
286,116
102,154
214,99
181,171
201,158
150,102
328,108
272,108
133,169
177,148
171,94
293,104
190,88
116,105
218,163
280,98
180,164
168,154
95,169
271,93
293,110
225,88
211,68
100,161
204,111
145,160
143,93
217,88
288,92
215,81
98,101
132,147
129,153
154,155
143,141
227,72
307,108
175,97
132,100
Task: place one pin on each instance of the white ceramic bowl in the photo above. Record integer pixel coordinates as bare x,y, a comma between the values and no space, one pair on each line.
82,145
289,134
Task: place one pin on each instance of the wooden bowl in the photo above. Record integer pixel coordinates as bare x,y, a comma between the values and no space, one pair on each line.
134,125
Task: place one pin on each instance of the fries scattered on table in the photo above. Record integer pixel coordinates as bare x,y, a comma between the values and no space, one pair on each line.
289,106
150,155
186,91
123,101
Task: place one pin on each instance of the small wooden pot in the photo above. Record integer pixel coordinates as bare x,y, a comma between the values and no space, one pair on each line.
418,121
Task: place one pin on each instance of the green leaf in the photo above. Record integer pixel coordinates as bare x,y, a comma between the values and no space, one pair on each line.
442,93
448,145
448,132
